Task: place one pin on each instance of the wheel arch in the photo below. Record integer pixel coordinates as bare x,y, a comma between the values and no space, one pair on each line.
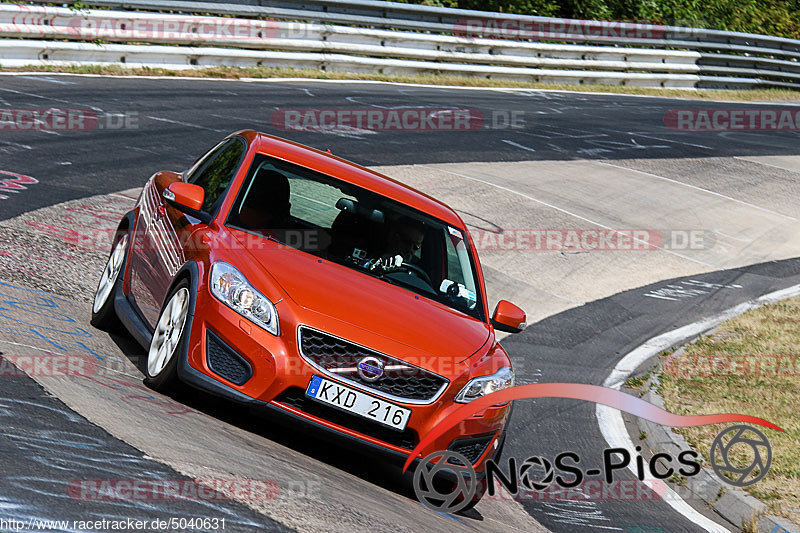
190,272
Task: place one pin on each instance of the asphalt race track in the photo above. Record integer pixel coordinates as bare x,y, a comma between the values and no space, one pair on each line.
534,160
178,120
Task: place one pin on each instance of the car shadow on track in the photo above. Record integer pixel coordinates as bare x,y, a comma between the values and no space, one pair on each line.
384,472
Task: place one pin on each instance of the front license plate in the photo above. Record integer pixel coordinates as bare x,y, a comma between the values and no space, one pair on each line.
357,402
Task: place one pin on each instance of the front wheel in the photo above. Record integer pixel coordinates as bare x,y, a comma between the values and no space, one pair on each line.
162,358
103,314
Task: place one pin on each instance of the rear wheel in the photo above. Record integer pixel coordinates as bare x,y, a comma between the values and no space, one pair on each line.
103,314
162,358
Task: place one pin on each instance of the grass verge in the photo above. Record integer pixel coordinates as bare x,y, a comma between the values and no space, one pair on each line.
755,95
750,365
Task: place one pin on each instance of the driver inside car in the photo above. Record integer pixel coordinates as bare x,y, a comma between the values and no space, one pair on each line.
405,238
266,207
403,241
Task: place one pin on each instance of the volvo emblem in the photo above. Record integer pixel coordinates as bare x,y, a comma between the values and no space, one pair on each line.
370,369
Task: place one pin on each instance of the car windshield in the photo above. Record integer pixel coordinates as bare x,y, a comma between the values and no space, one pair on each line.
359,229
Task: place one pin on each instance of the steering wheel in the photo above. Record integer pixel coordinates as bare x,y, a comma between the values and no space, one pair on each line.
417,270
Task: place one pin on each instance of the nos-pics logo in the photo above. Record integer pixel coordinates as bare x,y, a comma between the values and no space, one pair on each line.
445,481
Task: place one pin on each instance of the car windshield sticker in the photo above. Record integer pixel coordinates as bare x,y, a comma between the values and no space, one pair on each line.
455,289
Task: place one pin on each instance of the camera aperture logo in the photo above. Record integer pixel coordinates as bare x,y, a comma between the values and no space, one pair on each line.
457,486
742,469
445,481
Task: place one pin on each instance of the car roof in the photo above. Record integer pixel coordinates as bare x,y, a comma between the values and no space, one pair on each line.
350,172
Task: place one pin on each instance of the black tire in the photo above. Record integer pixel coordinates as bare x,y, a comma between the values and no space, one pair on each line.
446,486
499,453
105,318
166,379
480,492
483,486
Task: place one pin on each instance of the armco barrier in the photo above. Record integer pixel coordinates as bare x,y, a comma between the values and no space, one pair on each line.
659,56
17,53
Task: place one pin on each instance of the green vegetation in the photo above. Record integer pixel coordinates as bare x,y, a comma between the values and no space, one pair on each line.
78,6
635,382
770,17
766,387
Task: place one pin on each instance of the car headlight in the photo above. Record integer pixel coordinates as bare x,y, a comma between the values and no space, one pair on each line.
477,387
232,288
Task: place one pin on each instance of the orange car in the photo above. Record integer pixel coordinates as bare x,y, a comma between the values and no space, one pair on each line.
274,274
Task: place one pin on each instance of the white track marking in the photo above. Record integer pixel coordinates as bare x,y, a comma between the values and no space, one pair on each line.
610,420
48,80
695,187
50,352
616,435
668,140
187,124
118,195
763,163
141,149
232,117
355,100
512,143
93,108
551,133
24,146
731,236
551,206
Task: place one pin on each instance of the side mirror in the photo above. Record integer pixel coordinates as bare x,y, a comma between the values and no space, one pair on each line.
508,317
187,198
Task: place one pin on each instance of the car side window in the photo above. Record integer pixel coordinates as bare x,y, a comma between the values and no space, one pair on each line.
215,171
454,268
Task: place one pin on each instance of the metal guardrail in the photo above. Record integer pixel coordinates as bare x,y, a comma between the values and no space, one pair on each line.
59,23
655,55
431,18
17,53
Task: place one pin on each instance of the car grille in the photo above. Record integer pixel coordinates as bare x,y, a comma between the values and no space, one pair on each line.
471,448
224,362
296,397
340,358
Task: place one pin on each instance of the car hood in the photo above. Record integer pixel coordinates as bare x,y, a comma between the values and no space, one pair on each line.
368,303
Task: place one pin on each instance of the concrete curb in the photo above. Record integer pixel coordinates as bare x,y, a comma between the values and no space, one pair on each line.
734,505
